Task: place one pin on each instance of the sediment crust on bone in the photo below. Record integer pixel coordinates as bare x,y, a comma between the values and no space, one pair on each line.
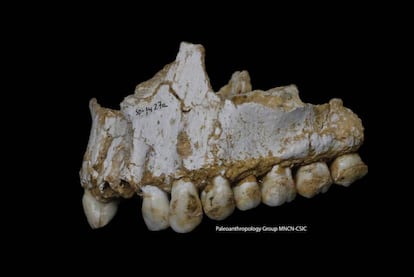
176,126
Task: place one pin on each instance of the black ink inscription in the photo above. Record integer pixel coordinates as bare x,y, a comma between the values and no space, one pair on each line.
150,109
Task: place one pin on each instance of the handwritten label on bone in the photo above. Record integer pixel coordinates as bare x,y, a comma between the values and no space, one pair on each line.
147,110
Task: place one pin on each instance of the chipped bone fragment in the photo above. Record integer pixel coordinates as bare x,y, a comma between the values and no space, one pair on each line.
175,136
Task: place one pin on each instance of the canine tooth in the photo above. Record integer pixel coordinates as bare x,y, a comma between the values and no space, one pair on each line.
217,199
98,213
312,179
278,187
348,168
185,207
155,208
247,193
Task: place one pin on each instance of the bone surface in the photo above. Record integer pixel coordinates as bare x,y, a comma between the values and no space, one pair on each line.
175,127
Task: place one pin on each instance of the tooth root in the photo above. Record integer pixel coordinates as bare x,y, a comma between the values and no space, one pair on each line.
185,207
217,199
278,186
98,213
155,208
247,193
348,168
312,179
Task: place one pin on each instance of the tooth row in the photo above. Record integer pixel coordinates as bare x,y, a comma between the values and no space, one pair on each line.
184,211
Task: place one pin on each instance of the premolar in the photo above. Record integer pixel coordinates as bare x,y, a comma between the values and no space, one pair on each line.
185,207
155,208
278,186
312,179
217,199
247,193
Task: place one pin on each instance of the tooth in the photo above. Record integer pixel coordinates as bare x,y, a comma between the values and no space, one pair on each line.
348,168
312,179
217,199
98,213
278,186
155,208
247,193
185,207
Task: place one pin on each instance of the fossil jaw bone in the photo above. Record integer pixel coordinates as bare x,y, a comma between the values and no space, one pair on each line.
175,127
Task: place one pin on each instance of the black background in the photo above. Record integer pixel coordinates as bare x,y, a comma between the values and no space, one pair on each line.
106,54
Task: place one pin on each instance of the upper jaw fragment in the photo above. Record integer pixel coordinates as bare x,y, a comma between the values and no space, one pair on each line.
175,137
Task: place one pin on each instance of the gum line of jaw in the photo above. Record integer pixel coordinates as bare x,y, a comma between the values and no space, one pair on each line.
180,202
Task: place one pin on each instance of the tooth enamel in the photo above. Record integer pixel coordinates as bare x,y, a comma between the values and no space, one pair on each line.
217,199
312,179
348,168
278,187
98,213
155,208
185,207
247,193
